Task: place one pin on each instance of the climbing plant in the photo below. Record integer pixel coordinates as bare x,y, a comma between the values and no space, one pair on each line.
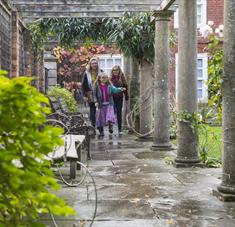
215,64
133,34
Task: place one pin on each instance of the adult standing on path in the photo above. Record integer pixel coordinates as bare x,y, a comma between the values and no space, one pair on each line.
118,79
90,75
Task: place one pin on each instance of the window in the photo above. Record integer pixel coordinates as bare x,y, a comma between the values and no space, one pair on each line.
107,61
202,67
201,14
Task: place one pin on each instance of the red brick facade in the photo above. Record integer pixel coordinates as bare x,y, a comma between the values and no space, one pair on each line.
215,14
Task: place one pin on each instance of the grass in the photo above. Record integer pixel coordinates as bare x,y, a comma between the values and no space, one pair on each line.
210,144
210,139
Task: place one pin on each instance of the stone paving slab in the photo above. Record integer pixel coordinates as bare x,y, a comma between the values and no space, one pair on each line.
136,188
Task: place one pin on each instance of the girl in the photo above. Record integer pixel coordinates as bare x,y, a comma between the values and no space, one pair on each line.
103,92
118,79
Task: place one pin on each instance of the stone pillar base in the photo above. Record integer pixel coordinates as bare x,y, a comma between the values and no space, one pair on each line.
226,189
187,163
224,197
162,147
144,139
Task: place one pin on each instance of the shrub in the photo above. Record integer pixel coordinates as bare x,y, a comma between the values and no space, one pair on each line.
63,93
25,174
210,144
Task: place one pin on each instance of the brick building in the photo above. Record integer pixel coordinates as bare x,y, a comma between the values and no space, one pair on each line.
13,42
208,10
15,56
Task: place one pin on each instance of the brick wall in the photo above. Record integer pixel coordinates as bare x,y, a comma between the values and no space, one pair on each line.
5,37
215,11
215,14
15,44
15,56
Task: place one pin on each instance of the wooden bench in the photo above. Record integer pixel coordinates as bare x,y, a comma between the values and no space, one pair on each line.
75,122
72,150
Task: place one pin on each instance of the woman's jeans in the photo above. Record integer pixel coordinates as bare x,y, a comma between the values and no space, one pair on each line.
92,113
118,103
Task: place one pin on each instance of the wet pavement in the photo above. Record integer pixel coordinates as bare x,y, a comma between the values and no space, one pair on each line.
136,188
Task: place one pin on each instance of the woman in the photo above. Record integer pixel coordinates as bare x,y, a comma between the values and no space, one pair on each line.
118,79
89,78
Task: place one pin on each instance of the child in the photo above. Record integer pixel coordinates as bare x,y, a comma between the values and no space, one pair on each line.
103,98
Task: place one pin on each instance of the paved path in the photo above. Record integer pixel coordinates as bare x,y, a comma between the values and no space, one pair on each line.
136,188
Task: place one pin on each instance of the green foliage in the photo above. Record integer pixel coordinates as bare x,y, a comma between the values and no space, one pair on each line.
68,31
39,33
173,131
208,114
133,34
25,174
215,75
169,160
193,120
63,93
210,143
209,138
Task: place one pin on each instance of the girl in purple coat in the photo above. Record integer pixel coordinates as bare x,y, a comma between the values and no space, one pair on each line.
103,97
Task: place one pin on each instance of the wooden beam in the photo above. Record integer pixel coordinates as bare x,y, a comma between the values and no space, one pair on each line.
35,9
87,2
27,17
166,4
74,8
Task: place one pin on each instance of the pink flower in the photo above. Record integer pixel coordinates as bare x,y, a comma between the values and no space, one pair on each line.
210,23
221,27
205,31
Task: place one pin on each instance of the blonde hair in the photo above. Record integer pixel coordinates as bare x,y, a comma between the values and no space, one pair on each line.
88,68
102,74
122,78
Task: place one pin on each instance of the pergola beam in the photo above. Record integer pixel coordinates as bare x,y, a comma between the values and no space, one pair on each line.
87,2
35,9
166,4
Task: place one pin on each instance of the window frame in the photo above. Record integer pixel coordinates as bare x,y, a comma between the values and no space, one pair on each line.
203,15
204,78
110,56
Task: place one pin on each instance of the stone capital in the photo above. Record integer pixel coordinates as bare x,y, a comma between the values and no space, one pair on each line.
163,15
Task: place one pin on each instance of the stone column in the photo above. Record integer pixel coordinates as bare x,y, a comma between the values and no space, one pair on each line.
146,84
228,92
15,54
134,90
161,139
126,104
186,82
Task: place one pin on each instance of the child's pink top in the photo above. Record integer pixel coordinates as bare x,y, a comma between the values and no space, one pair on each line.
104,91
